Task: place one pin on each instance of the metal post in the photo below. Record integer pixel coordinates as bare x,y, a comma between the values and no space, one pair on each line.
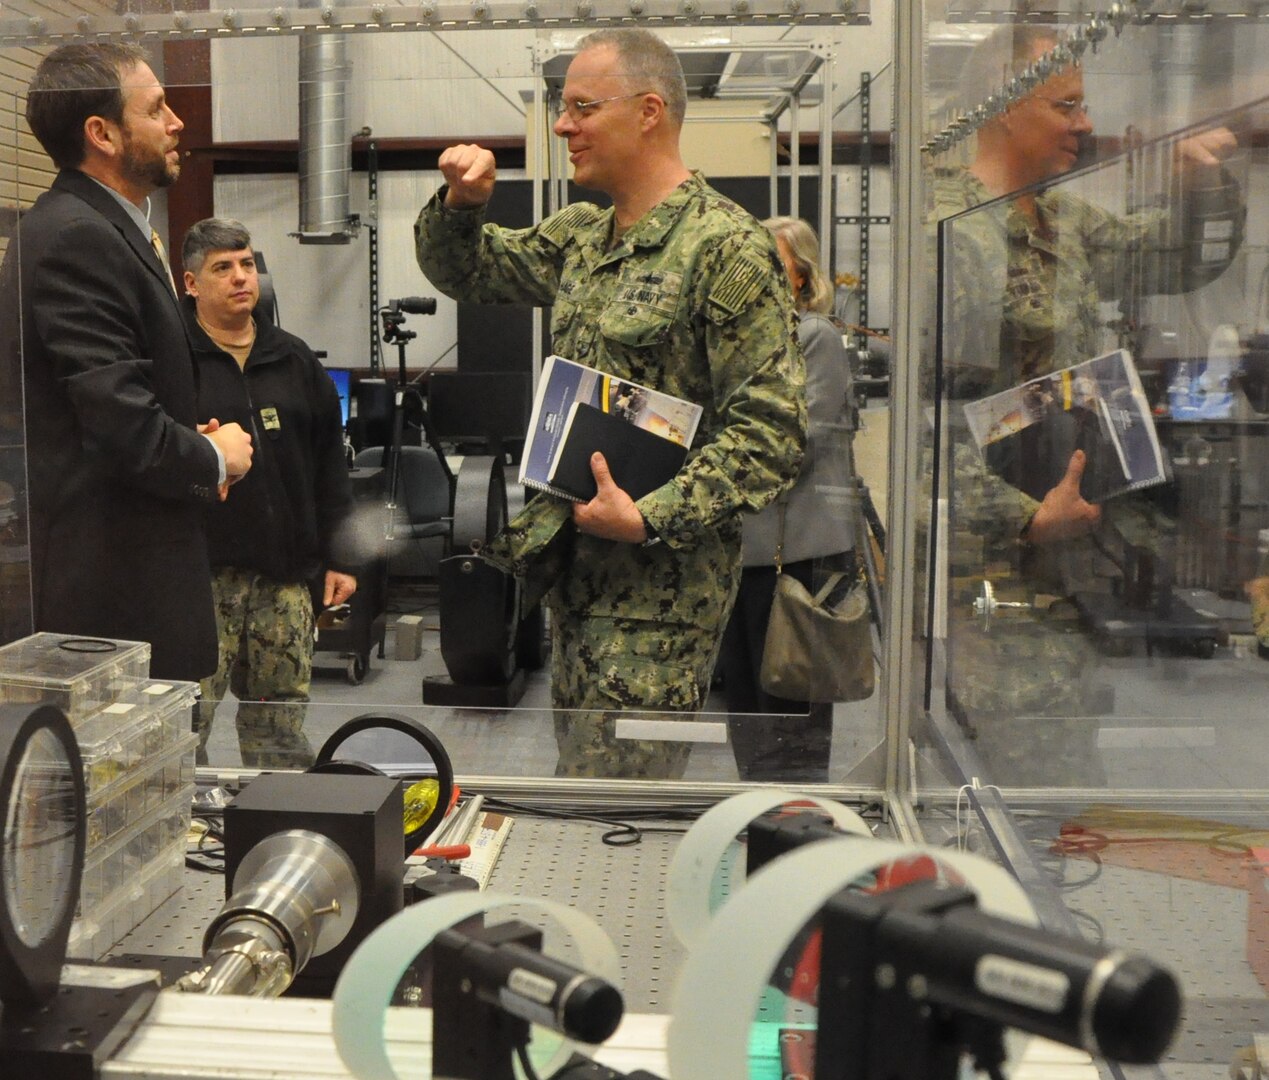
773,177
900,667
542,175
865,182
795,155
372,194
827,231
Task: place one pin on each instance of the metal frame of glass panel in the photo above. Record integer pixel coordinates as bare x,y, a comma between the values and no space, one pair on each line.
179,23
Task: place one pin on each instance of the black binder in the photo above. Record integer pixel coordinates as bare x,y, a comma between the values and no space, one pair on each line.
640,460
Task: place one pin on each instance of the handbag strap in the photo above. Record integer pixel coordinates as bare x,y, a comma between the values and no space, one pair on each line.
828,587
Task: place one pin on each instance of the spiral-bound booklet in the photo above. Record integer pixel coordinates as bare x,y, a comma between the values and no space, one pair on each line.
567,389
1028,433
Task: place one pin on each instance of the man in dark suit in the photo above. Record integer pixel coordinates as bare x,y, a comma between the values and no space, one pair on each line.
118,466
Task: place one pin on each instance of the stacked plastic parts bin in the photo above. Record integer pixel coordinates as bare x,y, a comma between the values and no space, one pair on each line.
136,740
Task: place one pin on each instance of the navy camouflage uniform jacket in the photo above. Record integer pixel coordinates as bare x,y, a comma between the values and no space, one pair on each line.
692,301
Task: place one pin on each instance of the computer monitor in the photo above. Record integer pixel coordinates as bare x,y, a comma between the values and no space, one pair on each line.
342,377
372,426
480,406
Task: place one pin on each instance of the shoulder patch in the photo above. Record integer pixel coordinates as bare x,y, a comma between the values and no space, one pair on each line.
738,285
556,229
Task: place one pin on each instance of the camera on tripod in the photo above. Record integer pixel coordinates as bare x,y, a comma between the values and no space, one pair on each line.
394,314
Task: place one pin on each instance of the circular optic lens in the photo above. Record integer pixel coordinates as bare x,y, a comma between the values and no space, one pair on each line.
39,839
398,745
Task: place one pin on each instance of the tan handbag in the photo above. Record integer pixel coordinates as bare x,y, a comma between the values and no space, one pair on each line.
815,652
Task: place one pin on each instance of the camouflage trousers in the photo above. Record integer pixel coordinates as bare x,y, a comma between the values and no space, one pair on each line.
601,667
265,629
1027,692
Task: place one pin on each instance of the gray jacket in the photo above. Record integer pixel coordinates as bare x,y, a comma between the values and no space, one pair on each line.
821,507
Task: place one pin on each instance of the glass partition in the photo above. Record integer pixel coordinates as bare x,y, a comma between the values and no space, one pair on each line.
351,288
1149,260
1117,587
1104,678
1137,80
1097,498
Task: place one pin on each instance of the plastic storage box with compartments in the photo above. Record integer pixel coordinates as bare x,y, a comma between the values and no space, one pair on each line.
136,740
126,878
80,675
145,719
124,801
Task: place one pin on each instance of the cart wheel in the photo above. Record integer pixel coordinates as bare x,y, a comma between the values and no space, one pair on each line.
356,669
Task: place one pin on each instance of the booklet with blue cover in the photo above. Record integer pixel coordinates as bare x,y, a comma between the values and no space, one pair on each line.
644,434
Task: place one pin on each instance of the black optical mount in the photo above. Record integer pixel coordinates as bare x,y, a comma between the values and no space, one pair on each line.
490,982
778,832
913,978
394,332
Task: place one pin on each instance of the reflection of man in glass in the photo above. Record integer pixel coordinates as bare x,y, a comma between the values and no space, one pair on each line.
1024,281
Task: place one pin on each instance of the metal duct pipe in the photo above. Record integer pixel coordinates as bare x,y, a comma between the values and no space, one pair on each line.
325,152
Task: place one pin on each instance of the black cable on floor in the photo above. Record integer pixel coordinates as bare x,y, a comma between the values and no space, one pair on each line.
618,834
623,833
208,858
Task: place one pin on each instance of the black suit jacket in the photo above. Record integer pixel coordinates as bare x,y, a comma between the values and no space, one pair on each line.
117,472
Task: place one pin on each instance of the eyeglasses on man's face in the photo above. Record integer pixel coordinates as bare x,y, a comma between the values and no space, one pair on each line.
1068,107
579,110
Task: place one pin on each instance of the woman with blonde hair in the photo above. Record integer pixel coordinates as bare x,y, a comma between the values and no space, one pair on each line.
799,249
816,535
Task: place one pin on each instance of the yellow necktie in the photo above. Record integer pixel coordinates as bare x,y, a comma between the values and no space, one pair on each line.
161,252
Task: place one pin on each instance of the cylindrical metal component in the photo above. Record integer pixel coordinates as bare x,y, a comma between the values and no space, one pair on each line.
231,973
299,884
247,957
325,150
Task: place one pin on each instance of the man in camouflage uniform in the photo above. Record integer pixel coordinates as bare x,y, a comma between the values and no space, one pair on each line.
675,288
273,543
1024,280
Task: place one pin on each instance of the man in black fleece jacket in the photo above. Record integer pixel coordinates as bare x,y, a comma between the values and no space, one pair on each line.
272,545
